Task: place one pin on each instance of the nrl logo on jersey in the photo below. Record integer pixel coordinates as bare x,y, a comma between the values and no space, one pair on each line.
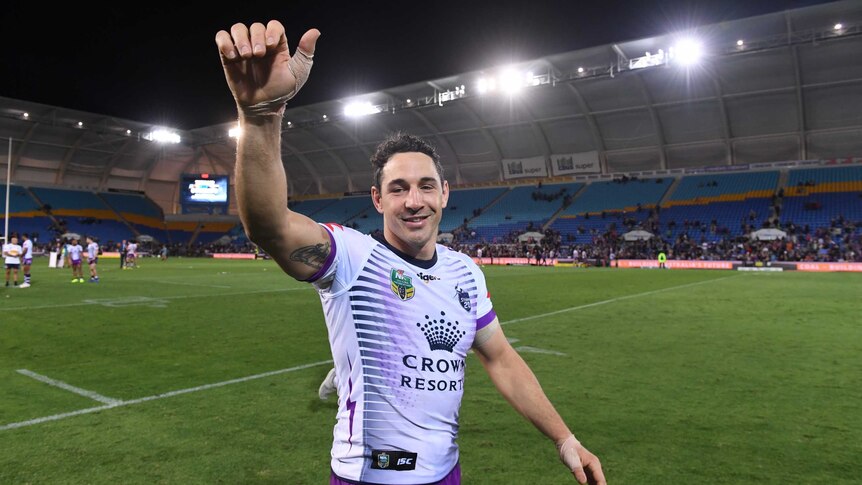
401,284
383,460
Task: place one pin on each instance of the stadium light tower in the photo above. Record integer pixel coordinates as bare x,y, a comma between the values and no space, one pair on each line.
687,52
162,135
357,109
510,81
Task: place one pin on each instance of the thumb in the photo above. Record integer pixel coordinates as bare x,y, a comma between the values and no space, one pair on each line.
308,42
573,461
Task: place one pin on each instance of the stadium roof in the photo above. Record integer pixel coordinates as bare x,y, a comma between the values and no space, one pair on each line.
791,91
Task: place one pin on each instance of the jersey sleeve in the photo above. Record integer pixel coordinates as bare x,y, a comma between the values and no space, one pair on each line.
484,308
348,251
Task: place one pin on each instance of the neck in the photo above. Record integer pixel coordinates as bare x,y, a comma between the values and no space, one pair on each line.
424,253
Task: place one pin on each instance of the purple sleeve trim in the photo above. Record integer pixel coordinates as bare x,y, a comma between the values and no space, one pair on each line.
326,264
484,321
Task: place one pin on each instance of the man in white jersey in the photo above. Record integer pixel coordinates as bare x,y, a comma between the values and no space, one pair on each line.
75,252
132,255
92,259
12,257
401,311
27,246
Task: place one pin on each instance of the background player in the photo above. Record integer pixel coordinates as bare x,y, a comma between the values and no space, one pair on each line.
12,253
75,253
92,259
27,246
132,255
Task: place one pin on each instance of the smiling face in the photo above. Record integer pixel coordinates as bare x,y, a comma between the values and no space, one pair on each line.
411,198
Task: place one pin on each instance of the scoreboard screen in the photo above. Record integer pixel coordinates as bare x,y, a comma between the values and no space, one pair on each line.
204,189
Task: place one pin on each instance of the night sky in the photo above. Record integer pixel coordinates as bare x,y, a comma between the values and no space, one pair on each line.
157,62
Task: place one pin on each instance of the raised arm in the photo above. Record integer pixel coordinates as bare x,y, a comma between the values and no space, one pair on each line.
262,76
517,383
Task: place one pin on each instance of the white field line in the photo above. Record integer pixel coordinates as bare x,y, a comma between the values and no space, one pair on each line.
117,404
62,385
612,300
57,417
185,284
174,297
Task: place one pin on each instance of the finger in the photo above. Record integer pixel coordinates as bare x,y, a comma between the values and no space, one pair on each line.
225,45
258,42
579,474
308,42
597,473
239,32
275,36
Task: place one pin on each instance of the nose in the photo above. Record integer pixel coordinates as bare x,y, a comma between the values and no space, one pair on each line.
414,200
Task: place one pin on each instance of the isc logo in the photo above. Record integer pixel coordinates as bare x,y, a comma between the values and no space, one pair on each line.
405,461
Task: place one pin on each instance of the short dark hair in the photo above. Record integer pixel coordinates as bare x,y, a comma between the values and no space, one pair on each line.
400,142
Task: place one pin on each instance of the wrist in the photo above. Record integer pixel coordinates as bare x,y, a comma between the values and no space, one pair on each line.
569,440
273,108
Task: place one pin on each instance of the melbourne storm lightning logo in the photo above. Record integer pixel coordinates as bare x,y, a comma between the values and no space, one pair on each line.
441,334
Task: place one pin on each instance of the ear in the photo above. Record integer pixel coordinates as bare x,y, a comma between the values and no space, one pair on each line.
445,193
375,199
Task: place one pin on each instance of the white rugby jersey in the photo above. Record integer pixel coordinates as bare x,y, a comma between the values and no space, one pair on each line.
75,252
13,253
92,251
399,329
28,249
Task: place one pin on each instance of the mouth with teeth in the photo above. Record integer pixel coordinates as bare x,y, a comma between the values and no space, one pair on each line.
415,221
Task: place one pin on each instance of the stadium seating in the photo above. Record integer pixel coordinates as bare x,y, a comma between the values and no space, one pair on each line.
462,203
700,189
619,196
139,211
815,197
518,208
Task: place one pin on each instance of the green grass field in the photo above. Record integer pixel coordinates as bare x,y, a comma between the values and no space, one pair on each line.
685,377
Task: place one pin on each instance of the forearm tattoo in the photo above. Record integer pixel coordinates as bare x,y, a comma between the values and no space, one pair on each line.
313,256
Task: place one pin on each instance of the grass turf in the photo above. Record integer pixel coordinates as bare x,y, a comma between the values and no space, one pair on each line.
669,376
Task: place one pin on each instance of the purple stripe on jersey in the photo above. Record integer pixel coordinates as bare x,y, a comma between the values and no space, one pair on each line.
351,405
329,259
484,321
453,478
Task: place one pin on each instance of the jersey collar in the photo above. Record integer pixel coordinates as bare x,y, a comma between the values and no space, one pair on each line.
422,263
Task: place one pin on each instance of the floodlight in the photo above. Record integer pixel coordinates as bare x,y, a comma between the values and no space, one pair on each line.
580,70
409,101
162,136
484,85
324,117
740,43
839,26
687,52
510,81
80,124
234,132
25,115
359,108
128,132
289,123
